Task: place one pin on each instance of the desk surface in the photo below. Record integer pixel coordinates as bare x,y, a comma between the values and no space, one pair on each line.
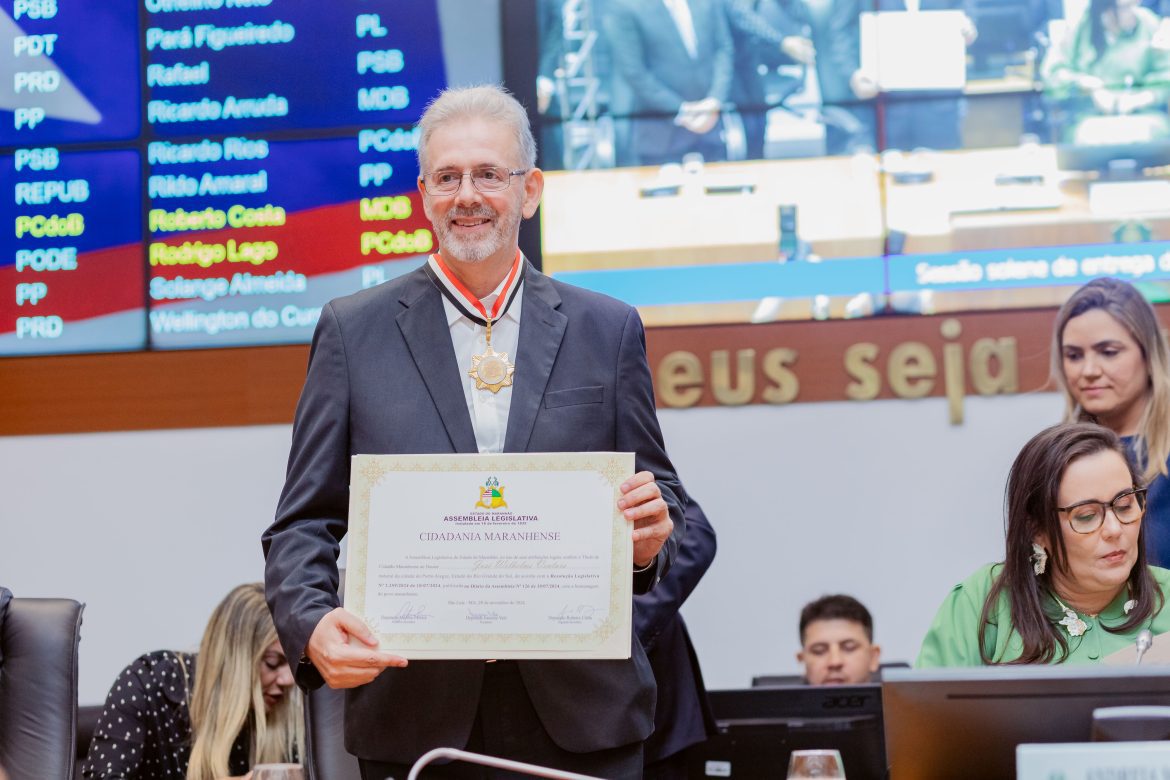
943,215
598,220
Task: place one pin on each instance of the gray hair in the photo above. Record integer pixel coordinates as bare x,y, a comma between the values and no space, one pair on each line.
489,101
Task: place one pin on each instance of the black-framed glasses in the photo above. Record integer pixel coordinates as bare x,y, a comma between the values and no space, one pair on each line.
485,178
1085,517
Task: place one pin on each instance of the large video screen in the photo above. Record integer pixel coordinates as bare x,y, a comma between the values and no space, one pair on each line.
752,160
194,173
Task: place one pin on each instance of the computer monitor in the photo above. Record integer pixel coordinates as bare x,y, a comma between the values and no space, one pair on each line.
1132,158
1125,144
760,727
1131,724
966,723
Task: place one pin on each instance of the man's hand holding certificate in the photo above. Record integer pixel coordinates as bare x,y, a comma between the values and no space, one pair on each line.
642,503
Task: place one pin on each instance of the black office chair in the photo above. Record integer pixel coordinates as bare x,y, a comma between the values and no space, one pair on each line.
772,680
38,687
326,757
87,719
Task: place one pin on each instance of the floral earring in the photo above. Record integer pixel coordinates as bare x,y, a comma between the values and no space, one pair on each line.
1039,559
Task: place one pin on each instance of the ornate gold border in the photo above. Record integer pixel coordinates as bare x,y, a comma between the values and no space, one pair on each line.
368,471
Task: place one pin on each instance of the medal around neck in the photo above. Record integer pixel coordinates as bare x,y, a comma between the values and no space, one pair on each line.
491,370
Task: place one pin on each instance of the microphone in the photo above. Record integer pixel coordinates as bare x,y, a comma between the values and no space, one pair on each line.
1145,640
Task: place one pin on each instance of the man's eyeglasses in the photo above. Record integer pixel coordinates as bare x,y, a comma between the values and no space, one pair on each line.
485,178
1085,517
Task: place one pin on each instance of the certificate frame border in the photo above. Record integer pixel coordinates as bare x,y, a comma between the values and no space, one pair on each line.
609,640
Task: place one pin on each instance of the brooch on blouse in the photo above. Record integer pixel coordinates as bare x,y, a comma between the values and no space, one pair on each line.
1073,623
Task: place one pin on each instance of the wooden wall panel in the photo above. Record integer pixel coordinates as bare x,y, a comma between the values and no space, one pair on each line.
150,390
260,385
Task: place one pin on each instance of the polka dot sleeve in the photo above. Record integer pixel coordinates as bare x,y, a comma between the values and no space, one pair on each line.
144,731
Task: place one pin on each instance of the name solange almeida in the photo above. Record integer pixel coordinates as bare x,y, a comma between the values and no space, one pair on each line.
242,283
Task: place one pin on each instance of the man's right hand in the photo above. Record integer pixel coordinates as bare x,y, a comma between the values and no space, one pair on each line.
699,116
345,665
799,48
863,84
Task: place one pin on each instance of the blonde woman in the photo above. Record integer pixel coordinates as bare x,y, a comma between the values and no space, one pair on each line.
177,716
1109,355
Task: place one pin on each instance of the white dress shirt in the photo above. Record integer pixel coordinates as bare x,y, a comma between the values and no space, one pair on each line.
681,13
488,410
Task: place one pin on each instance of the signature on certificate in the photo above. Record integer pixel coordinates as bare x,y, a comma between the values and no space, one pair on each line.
484,615
411,613
579,613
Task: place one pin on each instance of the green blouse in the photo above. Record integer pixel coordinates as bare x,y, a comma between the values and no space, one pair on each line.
953,638
1130,59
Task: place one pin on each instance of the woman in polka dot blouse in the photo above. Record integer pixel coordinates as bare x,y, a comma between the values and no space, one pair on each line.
162,721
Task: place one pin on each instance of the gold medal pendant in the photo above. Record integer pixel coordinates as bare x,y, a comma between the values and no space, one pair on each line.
492,370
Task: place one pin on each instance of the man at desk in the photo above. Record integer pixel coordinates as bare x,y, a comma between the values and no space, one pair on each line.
836,637
389,373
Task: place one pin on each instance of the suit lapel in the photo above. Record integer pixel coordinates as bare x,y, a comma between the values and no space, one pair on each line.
423,323
541,330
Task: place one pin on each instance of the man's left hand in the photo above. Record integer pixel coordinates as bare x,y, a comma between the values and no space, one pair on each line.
642,503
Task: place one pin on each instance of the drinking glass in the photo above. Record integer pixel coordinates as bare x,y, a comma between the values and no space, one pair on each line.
815,764
278,772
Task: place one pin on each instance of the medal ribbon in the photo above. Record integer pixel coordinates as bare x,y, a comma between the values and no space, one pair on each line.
499,308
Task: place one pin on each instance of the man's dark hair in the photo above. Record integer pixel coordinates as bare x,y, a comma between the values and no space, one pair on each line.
836,607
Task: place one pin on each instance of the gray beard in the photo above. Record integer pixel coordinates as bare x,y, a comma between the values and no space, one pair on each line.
476,251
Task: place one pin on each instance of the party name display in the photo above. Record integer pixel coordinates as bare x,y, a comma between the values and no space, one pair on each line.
201,173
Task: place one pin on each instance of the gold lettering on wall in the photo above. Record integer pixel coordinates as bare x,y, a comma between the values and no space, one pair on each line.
867,382
953,379
911,370
739,391
753,371
1000,354
680,379
785,383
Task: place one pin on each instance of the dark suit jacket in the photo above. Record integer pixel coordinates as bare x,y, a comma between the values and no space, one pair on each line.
649,53
836,36
682,717
649,58
383,378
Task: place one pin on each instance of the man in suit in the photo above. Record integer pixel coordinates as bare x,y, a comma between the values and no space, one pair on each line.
765,34
846,96
389,373
682,716
676,56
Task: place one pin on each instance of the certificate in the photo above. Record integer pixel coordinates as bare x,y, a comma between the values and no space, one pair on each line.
935,38
492,556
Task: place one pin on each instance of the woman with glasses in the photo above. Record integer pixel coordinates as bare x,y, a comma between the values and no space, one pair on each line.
1109,355
1074,585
